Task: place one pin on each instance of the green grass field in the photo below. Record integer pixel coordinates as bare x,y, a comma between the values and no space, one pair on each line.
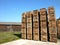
9,36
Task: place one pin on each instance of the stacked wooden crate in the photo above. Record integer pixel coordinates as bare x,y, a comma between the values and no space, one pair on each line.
23,26
58,27
43,21
29,25
52,25
35,25
40,25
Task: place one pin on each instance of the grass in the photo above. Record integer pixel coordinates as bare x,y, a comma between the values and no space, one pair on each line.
9,36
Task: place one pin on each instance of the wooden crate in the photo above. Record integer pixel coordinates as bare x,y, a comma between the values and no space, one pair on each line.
43,18
52,31
23,30
35,12
53,37
43,31
36,36
43,11
23,35
36,30
44,37
24,17
29,25
35,16
36,25
29,36
29,30
44,24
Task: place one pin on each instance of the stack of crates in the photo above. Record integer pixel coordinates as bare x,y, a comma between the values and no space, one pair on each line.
52,25
23,26
43,22
29,25
58,27
35,25
38,25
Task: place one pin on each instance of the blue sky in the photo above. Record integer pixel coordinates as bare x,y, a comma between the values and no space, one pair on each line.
11,10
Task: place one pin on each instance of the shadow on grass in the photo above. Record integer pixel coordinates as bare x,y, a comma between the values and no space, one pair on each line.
18,35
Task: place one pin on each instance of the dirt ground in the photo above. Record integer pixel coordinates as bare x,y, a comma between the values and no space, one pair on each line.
30,42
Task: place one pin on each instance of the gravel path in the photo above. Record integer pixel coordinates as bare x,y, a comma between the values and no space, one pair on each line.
29,42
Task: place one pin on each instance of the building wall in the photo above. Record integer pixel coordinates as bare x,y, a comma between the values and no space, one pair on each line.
16,27
4,27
